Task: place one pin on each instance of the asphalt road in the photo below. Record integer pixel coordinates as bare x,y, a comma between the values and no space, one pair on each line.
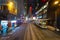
31,32
17,34
35,33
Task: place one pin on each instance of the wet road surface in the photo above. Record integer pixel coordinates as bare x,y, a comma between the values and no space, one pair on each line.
35,33
17,34
31,32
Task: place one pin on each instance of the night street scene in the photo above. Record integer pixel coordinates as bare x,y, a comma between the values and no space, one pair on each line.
29,20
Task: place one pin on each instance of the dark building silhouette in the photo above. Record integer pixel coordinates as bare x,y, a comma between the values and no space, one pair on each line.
3,12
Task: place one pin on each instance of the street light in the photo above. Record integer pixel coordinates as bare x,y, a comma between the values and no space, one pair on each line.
11,8
10,5
56,2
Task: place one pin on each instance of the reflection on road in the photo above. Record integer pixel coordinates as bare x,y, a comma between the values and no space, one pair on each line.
35,33
29,31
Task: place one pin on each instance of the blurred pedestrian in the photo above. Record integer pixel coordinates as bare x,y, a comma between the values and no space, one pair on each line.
9,26
0,29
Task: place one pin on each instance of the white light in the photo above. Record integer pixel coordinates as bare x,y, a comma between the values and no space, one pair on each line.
15,25
45,6
42,8
57,29
4,23
14,21
26,18
34,18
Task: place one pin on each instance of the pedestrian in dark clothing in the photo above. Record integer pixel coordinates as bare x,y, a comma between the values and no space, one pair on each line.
0,29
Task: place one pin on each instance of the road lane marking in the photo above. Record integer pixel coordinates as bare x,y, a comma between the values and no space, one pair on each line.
39,35
32,33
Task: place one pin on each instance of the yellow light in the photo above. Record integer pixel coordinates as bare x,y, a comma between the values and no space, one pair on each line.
10,6
56,2
10,3
15,10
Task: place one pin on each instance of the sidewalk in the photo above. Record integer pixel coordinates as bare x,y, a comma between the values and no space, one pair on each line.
7,34
52,28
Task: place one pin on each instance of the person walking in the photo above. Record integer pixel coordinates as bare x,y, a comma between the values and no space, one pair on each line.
0,29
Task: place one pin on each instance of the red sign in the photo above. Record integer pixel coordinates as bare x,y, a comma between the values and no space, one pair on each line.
30,8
